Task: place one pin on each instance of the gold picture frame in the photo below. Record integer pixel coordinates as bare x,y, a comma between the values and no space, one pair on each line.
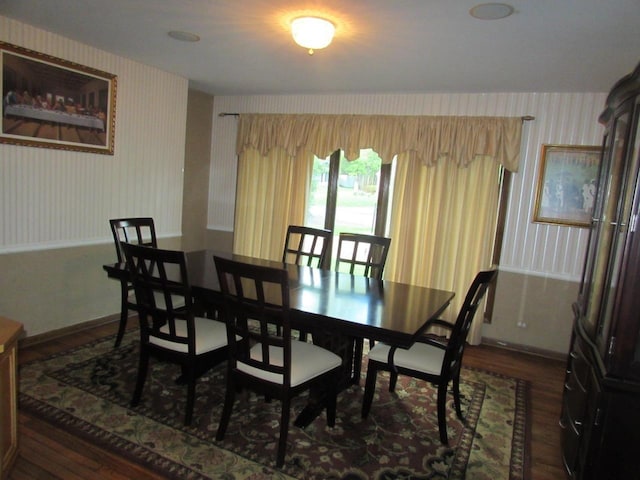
54,103
566,186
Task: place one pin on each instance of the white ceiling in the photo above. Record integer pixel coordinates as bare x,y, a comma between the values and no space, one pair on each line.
381,46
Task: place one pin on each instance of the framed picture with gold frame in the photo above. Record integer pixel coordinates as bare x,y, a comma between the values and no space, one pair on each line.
566,186
53,103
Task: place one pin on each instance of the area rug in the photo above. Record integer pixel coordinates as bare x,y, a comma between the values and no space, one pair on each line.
87,391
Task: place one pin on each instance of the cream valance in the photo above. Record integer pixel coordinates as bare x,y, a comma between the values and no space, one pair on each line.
427,138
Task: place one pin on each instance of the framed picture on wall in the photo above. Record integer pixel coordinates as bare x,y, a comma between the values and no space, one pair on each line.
566,187
53,103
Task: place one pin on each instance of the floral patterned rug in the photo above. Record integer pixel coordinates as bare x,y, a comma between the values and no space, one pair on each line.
87,391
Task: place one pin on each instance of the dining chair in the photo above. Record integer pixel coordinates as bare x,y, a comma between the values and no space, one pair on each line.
433,359
363,255
266,362
306,246
169,329
141,231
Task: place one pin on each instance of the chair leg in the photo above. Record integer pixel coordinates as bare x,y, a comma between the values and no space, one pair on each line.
124,313
183,378
357,360
442,412
332,400
228,407
369,388
284,431
393,379
456,396
191,396
143,366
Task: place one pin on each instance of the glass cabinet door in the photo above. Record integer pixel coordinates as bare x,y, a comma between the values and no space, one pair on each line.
621,230
607,256
586,296
624,359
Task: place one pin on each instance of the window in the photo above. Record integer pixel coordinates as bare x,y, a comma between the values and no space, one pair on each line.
349,196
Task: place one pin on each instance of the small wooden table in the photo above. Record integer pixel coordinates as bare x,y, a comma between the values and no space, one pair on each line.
10,330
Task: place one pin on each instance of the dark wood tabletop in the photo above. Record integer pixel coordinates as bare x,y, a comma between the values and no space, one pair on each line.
356,306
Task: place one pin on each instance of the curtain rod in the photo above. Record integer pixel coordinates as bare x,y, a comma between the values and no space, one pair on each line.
525,118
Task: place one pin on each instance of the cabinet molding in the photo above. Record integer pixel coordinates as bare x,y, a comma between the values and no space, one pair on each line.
600,417
10,330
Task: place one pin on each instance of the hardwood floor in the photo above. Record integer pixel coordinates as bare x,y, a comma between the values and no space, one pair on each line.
546,377
48,453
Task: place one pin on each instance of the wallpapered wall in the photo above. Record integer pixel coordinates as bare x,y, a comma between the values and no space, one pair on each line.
560,118
541,264
55,204
54,198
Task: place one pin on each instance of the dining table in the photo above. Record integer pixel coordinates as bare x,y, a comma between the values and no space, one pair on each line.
337,309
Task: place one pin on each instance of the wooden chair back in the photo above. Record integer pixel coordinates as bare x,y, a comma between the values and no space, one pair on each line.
364,254
163,295
306,246
139,231
257,311
455,347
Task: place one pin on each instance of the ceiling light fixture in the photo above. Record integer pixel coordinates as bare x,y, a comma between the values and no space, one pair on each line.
312,32
184,36
491,11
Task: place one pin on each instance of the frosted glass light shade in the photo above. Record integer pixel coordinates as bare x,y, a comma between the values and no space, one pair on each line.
312,32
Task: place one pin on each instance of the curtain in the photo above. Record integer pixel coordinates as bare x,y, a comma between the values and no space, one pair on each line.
425,138
445,200
271,194
443,223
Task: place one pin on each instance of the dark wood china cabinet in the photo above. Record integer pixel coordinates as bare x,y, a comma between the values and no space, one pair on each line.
600,417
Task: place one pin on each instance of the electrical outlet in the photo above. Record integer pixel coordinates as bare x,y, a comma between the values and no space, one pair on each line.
521,324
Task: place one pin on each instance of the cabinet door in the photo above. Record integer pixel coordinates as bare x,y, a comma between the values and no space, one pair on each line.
604,248
616,442
8,408
574,403
623,355
589,456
